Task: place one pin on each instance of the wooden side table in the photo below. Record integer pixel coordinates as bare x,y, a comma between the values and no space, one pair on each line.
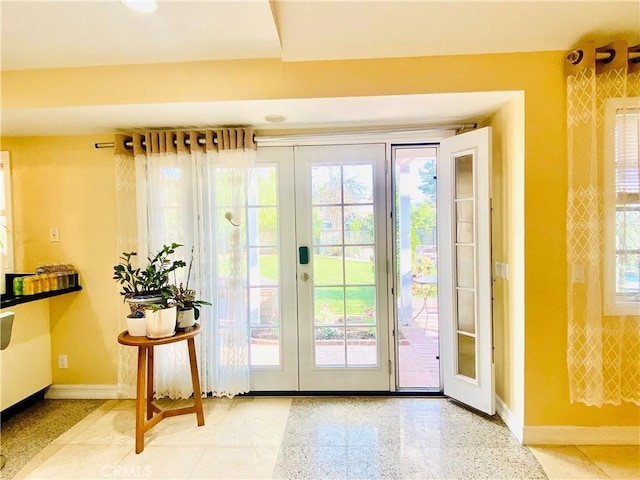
148,413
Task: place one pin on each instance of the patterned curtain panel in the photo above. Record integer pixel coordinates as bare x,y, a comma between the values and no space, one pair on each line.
127,232
603,350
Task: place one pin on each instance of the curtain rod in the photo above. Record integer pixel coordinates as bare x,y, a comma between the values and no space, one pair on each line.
457,128
201,140
129,143
575,56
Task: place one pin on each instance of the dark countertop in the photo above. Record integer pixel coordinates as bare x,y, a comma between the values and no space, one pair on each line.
10,301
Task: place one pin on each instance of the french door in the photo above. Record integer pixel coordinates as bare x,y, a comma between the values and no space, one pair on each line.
273,351
318,283
464,240
319,289
341,267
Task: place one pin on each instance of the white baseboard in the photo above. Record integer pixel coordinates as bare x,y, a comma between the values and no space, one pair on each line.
514,423
59,391
574,435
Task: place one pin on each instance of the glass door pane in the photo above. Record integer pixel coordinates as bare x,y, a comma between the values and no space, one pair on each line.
465,278
416,263
345,322
264,278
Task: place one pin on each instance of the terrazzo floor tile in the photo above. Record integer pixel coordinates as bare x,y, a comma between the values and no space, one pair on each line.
617,461
402,438
455,462
309,434
371,434
387,462
302,463
506,463
478,431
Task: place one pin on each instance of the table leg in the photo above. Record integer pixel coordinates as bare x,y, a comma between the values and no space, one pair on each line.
424,305
195,380
140,400
150,368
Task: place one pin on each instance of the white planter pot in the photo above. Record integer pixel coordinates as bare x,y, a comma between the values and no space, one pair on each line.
137,327
186,318
144,299
161,323
140,302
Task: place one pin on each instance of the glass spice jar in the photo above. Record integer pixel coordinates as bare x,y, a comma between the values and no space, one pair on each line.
27,286
37,284
17,286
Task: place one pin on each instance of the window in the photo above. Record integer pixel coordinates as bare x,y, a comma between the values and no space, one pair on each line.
622,207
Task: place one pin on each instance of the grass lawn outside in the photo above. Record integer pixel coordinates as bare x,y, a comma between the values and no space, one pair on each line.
329,271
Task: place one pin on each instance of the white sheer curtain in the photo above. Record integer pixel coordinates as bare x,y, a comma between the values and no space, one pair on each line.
602,351
187,184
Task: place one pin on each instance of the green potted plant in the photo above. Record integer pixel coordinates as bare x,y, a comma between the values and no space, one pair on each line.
148,292
185,300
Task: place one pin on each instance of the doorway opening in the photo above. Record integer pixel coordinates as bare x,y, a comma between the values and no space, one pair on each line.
416,268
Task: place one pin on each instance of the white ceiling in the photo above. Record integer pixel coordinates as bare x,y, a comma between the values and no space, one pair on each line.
46,34
50,34
347,112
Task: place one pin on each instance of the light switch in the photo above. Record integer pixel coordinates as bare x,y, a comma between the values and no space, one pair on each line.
54,234
505,271
501,270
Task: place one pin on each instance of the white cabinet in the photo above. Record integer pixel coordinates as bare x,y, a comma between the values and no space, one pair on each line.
26,363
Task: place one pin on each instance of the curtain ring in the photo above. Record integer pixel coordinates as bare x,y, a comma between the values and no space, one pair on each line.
610,51
574,57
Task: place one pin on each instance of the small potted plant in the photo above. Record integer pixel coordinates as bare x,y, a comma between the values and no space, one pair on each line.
147,291
185,300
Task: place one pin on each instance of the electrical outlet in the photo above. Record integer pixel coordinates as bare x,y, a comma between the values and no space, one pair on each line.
54,234
62,361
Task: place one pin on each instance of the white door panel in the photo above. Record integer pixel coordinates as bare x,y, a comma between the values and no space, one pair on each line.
342,293
464,237
272,283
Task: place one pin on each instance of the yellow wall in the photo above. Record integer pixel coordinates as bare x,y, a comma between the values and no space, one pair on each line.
87,327
507,246
66,183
